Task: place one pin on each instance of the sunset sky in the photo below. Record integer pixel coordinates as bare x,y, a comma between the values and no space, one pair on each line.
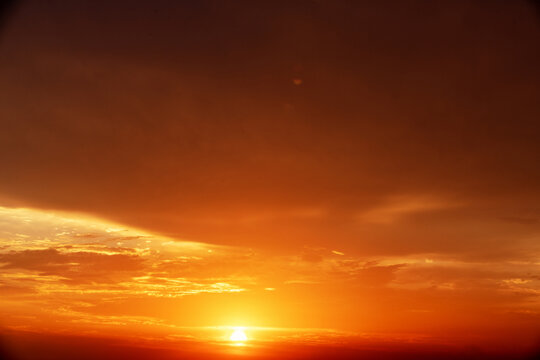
329,179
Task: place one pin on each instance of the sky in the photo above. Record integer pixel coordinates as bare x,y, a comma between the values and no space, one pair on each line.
331,177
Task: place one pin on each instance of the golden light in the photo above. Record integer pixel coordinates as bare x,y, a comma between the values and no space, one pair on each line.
238,335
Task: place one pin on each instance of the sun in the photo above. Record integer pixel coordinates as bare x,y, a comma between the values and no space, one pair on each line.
238,335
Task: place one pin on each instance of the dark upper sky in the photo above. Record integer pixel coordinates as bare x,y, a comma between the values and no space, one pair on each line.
382,127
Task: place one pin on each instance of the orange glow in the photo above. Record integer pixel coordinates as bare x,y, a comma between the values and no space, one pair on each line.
289,179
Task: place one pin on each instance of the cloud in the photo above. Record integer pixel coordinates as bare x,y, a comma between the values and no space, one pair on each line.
74,266
124,278
149,137
399,207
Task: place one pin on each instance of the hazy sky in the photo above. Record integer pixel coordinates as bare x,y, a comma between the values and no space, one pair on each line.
384,152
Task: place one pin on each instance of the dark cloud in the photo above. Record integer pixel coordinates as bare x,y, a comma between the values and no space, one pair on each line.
6,9
79,266
188,122
27,345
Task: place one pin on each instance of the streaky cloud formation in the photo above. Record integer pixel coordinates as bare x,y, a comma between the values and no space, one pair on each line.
86,274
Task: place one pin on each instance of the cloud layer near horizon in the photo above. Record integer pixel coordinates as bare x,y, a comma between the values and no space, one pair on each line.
78,275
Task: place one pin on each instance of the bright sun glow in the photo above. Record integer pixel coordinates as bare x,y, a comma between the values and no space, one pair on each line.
238,335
